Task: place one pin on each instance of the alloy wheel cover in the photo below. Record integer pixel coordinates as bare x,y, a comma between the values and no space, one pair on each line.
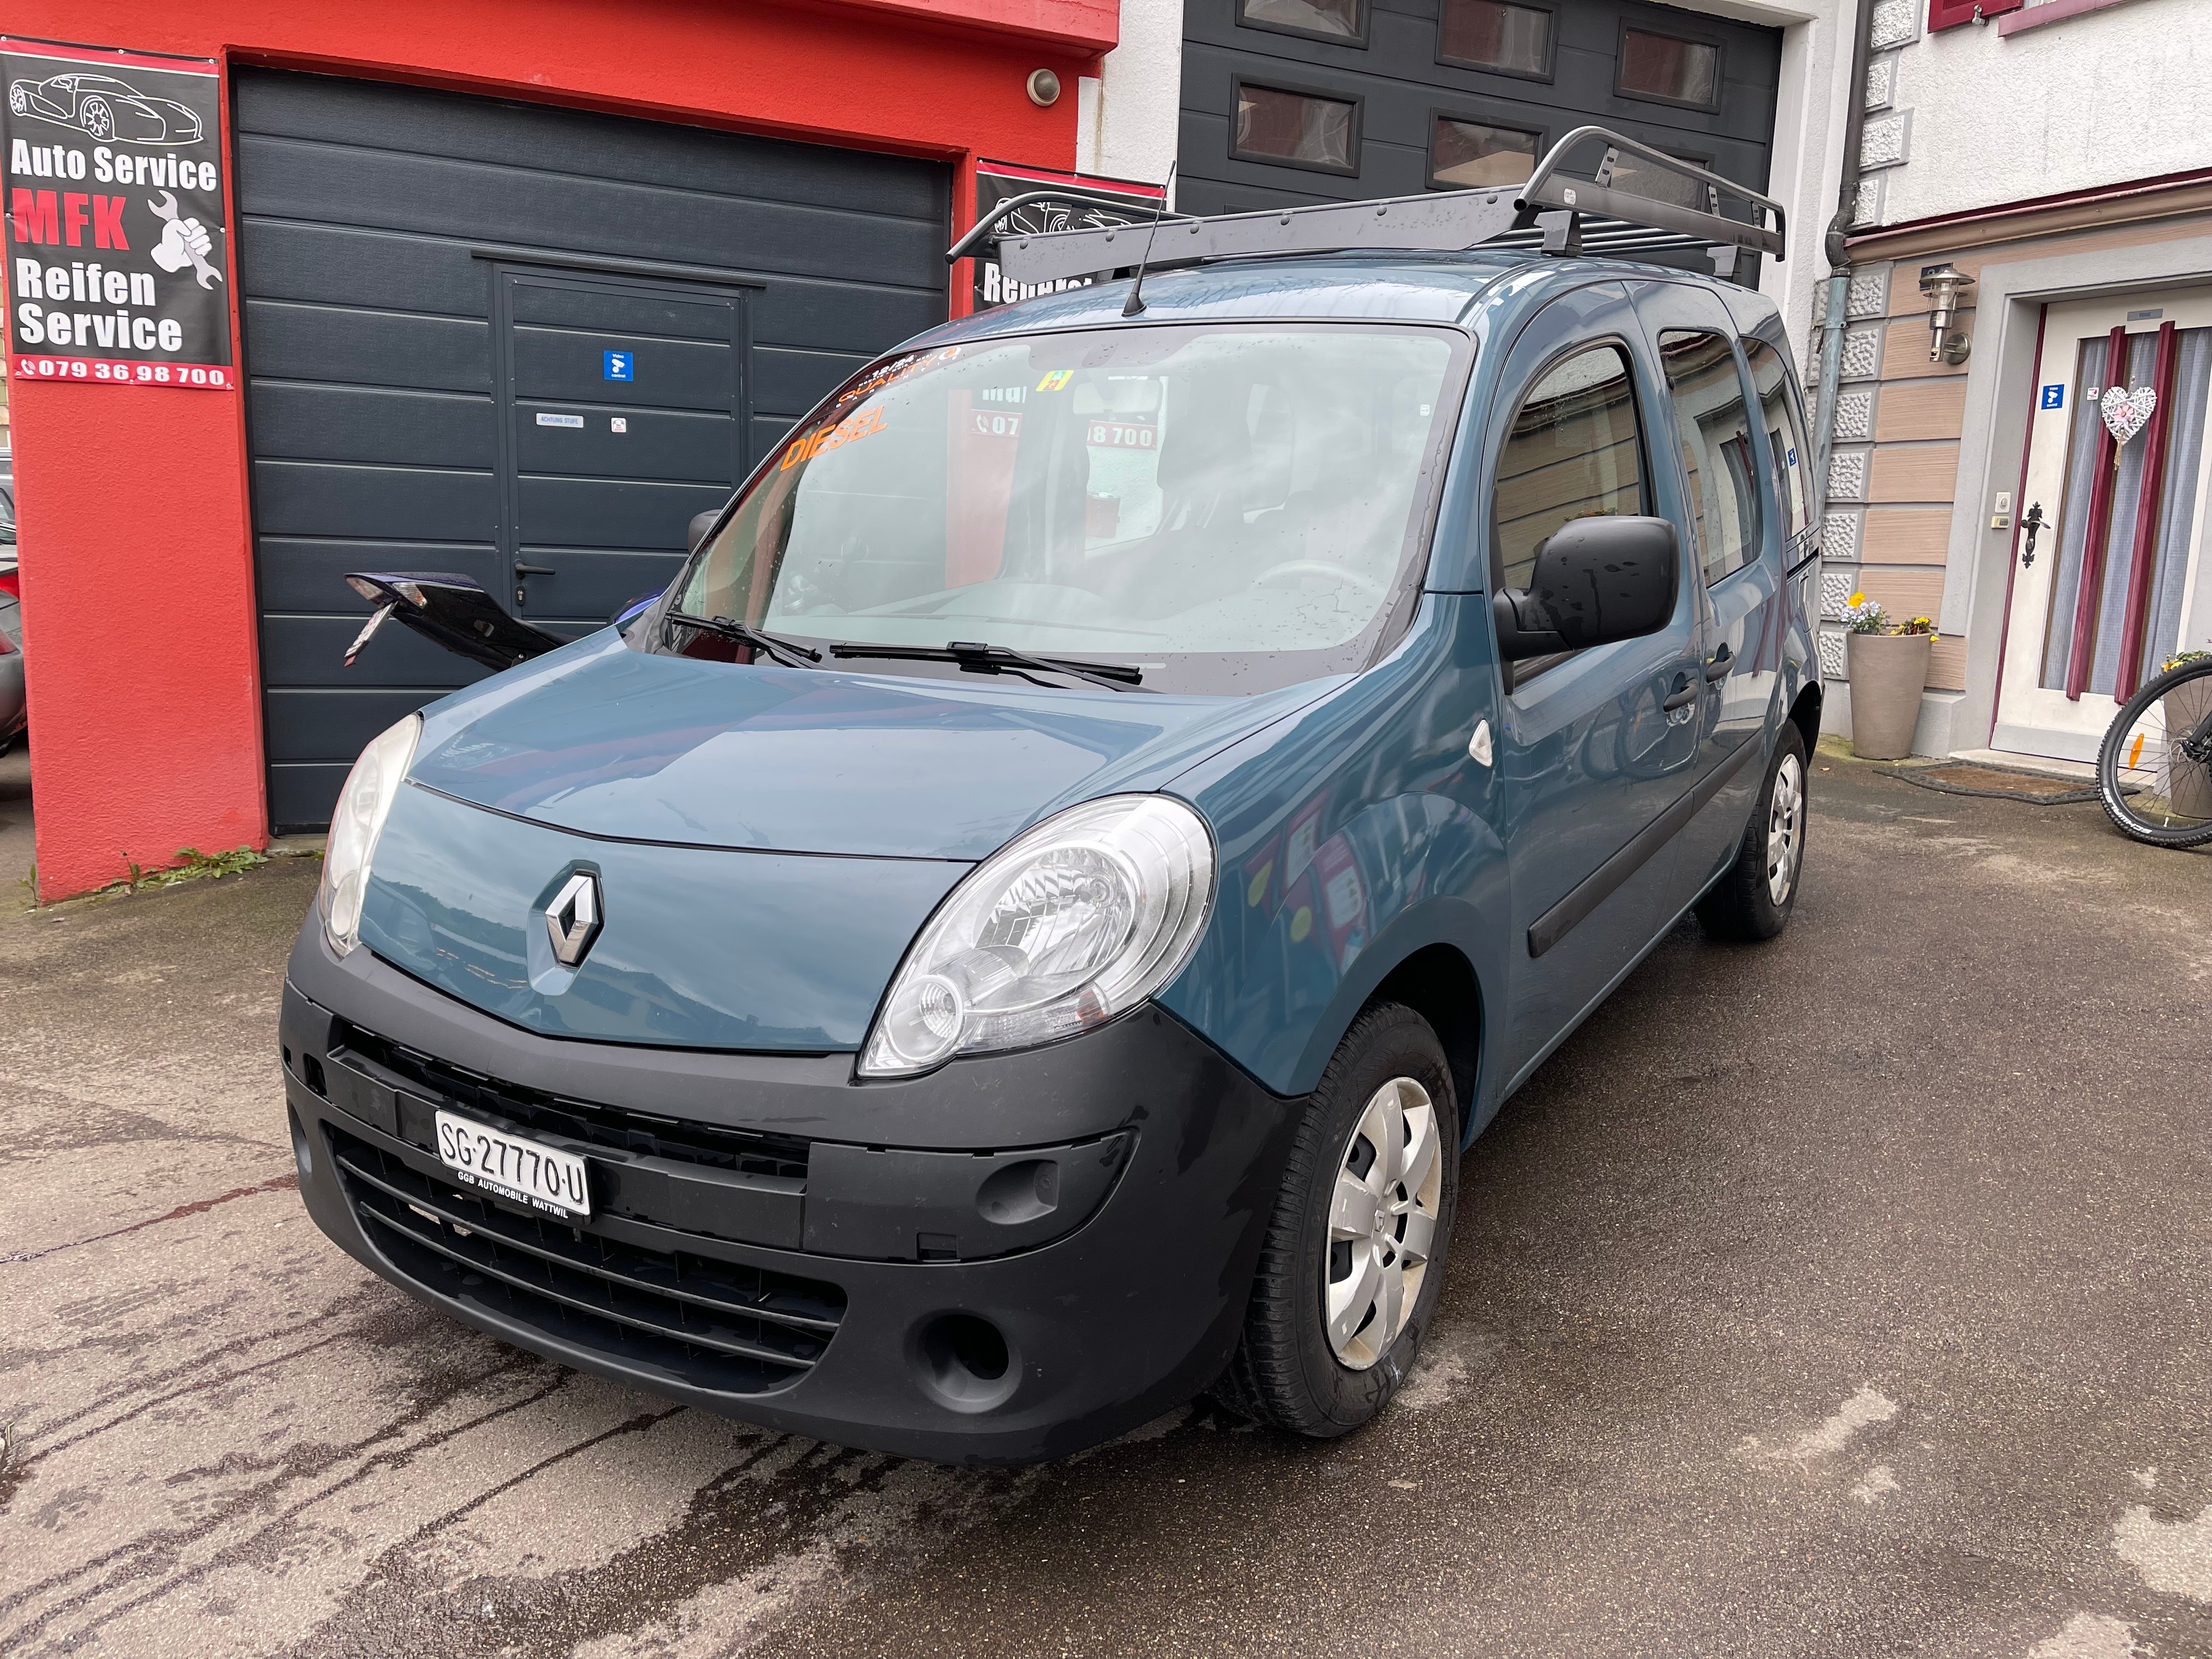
1381,1223
1785,830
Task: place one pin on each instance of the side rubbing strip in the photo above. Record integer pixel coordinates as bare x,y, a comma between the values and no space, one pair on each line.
1596,887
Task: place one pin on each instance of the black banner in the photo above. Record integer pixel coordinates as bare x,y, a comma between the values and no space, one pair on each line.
1002,181
119,246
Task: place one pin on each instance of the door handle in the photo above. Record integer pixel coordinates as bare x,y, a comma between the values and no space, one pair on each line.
1683,694
522,569
1723,659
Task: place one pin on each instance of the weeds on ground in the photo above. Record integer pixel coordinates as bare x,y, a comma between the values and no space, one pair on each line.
192,865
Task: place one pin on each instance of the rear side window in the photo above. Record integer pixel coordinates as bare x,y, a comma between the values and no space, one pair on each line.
1713,427
1785,433
1573,451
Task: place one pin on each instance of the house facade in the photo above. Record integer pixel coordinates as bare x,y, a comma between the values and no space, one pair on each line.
2054,156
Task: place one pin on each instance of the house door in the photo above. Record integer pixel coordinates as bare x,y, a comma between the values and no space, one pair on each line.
2114,580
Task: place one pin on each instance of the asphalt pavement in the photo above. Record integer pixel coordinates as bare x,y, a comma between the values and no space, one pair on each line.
1845,1296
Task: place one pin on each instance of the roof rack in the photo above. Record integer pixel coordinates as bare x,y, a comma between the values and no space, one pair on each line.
1558,213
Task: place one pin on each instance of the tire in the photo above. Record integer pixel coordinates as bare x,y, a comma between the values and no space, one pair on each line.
96,119
2154,815
1288,1371
1753,900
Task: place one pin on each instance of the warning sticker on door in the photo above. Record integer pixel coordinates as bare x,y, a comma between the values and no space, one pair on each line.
118,232
576,421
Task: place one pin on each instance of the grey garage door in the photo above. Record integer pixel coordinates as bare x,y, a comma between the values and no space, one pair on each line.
527,345
1286,101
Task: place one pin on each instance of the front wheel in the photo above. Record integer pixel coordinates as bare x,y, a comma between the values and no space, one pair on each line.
2163,734
1353,1262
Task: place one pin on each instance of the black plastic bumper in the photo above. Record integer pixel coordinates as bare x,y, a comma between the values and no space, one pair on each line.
1098,1205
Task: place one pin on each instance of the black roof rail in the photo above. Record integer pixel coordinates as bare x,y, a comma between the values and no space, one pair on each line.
1560,213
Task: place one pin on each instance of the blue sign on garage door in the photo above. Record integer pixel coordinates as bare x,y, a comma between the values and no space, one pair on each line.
527,345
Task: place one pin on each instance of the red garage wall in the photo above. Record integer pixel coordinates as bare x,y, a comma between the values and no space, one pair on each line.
138,574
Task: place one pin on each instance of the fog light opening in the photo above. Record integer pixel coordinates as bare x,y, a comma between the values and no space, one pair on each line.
302,1153
967,1362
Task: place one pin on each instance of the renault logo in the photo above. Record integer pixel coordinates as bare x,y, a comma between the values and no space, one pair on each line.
572,920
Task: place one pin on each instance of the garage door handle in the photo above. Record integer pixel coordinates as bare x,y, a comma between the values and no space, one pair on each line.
1684,695
1718,667
522,569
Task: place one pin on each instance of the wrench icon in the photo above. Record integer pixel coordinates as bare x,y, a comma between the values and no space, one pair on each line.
180,232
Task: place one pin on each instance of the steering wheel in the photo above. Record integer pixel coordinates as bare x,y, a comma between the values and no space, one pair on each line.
1318,567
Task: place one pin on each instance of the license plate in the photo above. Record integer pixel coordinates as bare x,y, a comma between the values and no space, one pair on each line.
497,1162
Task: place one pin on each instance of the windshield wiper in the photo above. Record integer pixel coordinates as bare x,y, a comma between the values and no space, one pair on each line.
790,652
979,658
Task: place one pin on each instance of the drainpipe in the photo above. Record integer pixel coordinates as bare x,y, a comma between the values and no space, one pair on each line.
1839,270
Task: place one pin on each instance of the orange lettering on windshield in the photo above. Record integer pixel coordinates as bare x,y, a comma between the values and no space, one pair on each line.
850,430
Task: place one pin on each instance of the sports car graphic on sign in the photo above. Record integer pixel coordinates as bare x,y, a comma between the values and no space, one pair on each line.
106,108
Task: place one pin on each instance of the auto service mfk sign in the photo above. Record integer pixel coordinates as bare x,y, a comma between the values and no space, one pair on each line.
119,254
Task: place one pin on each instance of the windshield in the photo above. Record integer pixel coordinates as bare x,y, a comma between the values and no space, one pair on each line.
1228,509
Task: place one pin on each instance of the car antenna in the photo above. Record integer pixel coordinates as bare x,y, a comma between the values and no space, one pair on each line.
1135,302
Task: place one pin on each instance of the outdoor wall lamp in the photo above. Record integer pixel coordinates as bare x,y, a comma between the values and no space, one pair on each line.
1043,89
1943,284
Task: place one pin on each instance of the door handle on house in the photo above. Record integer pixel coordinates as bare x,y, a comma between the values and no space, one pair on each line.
1723,659
1683,694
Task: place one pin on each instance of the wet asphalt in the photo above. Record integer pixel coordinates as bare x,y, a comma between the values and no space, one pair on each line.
1850,1294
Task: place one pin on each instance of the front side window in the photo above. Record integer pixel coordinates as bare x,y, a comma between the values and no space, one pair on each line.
1229,508
1573,451
1274,125
1492,34
1785,433
1471,155
1713,427
1672,70
1338,20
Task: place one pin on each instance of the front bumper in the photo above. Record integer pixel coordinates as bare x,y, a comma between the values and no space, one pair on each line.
1098,1205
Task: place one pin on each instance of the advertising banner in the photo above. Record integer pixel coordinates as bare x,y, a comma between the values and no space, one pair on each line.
1001,181
118,232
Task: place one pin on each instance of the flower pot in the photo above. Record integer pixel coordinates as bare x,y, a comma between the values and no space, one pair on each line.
1888,672
2190,787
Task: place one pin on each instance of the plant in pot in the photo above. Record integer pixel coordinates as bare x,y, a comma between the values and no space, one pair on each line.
2189,791
1888,665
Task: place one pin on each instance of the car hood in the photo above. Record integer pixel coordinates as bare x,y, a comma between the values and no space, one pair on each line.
624,745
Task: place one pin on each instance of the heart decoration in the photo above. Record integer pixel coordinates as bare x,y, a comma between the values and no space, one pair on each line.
2126,412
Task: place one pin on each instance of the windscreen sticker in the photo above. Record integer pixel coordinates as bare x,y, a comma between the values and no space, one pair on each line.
1056,380
894,371
850,430
1122,434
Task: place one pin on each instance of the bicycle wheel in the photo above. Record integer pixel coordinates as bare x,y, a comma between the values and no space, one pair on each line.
2163,735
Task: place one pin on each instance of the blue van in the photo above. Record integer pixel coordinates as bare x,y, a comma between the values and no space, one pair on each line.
1018,933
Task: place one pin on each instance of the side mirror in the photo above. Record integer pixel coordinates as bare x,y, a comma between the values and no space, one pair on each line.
701,524
1596,580
449,611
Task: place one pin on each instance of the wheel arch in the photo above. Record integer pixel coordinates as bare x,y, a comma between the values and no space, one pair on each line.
1805,715
1438,982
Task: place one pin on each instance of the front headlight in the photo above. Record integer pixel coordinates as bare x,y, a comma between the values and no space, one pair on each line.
364,805
1064,928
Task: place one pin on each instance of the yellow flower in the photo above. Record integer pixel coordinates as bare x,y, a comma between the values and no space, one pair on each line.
1857,598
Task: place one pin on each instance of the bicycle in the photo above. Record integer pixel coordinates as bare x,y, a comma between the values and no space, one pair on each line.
2164,730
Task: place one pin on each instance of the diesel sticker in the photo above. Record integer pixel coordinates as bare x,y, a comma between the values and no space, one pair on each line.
117,240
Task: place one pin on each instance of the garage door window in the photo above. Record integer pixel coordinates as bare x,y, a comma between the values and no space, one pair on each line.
1492,34
1473,156
1669,69
1302,129
1335,20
